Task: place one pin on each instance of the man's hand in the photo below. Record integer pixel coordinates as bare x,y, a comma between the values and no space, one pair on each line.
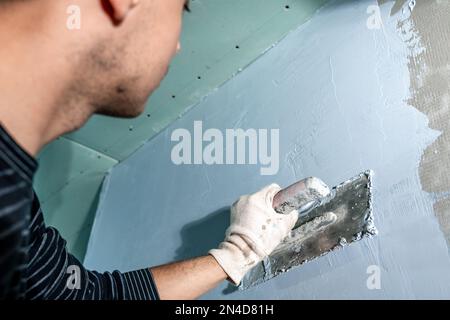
255,230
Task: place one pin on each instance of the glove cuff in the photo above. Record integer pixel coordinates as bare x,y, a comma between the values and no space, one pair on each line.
235,259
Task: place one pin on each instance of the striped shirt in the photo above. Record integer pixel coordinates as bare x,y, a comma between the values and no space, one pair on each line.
34,262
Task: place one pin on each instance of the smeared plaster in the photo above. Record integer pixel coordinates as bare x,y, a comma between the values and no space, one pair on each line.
398,5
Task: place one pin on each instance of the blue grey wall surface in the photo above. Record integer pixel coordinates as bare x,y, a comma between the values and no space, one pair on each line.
338,91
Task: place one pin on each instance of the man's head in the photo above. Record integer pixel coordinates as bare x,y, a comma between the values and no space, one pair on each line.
110,60
127,51
64,60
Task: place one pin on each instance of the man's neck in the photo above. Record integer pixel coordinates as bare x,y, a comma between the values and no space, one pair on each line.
33,108
33,126
34,78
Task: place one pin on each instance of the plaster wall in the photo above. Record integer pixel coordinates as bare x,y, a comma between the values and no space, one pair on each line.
346,97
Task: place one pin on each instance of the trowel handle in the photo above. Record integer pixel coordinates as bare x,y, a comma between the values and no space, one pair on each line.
302,196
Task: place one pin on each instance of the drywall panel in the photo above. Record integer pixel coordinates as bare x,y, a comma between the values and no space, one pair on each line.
219,39
67,183
338,89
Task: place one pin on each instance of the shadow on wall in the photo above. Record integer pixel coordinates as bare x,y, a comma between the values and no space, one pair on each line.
81,239
67,184
202,235
54,158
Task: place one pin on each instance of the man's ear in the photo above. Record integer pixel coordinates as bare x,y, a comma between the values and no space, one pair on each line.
118,9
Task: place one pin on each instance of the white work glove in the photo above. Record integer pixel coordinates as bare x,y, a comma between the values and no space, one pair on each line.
255,230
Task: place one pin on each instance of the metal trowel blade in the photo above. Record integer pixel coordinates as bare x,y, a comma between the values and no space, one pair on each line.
345,216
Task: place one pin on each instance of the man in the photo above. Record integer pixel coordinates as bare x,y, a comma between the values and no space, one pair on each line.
52,80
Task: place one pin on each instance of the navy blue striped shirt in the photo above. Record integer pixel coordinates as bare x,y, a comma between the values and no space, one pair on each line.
34,262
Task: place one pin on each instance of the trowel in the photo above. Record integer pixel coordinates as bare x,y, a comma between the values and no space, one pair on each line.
328,220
